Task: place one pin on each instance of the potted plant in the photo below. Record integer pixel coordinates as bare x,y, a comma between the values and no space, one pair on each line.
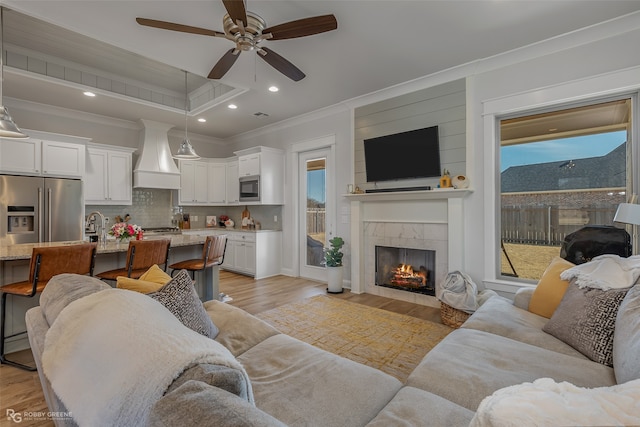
333,262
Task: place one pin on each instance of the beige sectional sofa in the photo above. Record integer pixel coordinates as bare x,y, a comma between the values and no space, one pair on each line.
293,383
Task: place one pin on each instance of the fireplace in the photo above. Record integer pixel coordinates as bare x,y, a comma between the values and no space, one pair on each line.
407,269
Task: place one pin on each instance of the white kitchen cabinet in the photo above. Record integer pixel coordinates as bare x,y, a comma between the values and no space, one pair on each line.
249,165
254,253
194,182
63,159
233,185
268,163
43,154
217,183
108,175
21,156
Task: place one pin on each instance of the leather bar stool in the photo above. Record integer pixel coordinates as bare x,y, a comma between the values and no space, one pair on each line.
141,255
212,256
46,262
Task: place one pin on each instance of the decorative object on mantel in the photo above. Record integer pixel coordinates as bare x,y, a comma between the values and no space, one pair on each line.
445,180
333,261
460,181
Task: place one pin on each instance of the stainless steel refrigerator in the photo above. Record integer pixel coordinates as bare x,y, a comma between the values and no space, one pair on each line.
34,210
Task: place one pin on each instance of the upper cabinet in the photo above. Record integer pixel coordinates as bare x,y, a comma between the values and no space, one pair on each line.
217,182
43,154
233,188
108,177
268,163
194,177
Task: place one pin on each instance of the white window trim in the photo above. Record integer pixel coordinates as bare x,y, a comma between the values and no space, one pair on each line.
609,84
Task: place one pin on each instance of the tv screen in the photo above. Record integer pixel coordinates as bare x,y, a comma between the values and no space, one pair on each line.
412,154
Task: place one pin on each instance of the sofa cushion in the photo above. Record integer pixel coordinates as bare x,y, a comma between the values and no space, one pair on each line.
499,316
626,338
585,319
180,298
303,385
564,405
65,288
142,286
469,365
195,403
415,407
551,288
239,330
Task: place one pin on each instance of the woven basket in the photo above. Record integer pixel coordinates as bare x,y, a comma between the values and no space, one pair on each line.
452,316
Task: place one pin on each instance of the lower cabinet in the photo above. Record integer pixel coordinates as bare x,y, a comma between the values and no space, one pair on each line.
254,253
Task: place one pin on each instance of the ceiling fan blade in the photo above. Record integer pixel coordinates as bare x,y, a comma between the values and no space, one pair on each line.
224,64
302,27
164,25
281,64
236,10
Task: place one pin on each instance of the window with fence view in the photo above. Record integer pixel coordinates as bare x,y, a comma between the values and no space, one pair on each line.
559,171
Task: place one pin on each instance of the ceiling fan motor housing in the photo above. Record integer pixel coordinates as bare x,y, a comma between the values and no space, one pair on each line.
245,38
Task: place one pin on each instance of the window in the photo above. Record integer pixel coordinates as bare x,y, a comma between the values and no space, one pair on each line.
559,171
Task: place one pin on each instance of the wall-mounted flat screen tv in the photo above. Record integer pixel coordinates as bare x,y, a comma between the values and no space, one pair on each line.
412,154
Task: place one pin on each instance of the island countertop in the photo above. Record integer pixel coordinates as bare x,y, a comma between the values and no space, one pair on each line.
24,251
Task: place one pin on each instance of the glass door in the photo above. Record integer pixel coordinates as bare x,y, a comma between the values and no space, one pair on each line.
315,210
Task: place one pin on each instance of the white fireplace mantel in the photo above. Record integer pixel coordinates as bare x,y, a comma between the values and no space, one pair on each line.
438,206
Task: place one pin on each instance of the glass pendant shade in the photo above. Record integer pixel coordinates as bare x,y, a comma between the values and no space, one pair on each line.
8,129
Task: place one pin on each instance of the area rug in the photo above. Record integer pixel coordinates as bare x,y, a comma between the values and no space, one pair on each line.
391,342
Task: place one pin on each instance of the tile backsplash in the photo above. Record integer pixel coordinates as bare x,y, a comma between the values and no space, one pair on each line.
155,208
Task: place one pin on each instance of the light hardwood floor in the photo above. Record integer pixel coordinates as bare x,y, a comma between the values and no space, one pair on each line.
21,391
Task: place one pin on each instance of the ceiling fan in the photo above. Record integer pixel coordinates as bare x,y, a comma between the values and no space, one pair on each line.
247,30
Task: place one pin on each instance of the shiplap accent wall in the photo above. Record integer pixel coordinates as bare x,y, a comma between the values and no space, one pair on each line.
442,105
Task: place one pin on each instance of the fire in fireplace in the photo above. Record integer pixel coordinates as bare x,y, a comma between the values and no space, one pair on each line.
405,268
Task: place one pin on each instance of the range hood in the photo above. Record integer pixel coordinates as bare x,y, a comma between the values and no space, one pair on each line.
155,167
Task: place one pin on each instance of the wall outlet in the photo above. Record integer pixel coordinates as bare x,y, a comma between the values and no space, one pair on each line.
275,218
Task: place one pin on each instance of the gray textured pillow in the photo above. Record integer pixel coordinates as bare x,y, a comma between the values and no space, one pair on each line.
626,340
195,403
585,319
63,289
180,297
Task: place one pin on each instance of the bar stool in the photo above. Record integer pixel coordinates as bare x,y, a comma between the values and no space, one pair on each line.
46,262
212,256
141,255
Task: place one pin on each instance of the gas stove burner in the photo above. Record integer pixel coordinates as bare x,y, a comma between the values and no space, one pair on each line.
162,230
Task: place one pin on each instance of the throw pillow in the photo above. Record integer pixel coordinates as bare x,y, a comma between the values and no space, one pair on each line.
155,274
550,289
585,320
142,286
180,297
626,340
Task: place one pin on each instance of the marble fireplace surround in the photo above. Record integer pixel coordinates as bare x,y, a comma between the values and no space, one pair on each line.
430,219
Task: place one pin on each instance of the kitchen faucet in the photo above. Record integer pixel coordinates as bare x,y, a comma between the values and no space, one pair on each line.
103,226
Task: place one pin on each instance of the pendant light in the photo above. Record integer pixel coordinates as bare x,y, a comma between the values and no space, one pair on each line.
186,151
8,129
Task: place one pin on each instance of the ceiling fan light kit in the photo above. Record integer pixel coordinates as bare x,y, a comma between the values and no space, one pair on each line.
247,30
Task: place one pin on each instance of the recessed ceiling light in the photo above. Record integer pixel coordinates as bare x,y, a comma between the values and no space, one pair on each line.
273,88
233,106
202,120
91,94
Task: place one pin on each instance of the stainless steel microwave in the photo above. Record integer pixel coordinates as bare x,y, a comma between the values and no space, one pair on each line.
250,188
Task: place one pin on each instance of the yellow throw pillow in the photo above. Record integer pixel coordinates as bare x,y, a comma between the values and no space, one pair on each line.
142,286
156,274
550,289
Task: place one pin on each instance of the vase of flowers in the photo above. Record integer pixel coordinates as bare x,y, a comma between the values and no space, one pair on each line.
124,232
333,261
